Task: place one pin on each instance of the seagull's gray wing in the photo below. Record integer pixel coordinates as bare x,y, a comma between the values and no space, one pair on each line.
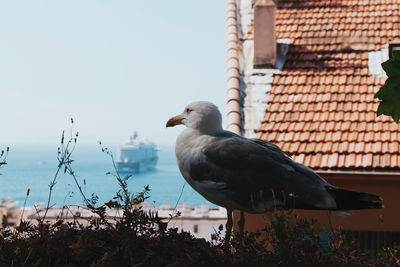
270,146
255,175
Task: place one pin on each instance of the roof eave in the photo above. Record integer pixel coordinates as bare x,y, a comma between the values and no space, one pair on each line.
359,174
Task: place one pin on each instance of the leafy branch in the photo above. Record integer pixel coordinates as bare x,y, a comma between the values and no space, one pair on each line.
124,199
389,94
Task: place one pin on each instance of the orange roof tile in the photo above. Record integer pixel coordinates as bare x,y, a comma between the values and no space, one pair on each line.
322,104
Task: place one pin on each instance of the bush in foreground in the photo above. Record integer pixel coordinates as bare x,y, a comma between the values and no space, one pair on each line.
142,239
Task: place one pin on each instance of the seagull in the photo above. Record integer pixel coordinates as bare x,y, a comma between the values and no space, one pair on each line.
251,175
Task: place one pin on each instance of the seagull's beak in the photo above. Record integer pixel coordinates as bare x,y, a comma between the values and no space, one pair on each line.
174,121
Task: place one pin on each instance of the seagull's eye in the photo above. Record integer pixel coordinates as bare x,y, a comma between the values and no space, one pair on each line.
188,110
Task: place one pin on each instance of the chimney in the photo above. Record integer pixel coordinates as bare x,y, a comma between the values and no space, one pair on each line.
264,33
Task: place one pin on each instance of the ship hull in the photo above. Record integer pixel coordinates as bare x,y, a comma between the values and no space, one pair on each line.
137,167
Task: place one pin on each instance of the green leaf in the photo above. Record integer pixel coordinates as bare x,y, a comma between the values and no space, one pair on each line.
396,55
393,82
389,93
390,104
391,67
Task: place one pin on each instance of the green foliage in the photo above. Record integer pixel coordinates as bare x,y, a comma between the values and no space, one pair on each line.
389,94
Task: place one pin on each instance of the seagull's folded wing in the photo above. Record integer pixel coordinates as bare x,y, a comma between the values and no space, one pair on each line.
256,175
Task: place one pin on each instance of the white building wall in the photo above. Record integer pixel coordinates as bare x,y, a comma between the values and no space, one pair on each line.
205,226
375,59
255,82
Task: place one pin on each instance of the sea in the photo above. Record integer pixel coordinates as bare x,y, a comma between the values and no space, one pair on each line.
34,167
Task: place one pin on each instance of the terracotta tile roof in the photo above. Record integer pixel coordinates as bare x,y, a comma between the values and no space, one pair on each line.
322,107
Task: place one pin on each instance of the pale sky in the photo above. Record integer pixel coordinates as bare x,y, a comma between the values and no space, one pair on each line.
114,66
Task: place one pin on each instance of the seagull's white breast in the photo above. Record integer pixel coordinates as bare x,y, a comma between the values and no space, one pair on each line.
188,149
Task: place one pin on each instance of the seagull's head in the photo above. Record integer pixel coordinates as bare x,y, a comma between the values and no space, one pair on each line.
201,115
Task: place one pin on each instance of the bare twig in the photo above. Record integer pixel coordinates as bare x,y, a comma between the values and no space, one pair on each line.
176,204
23,210
3,156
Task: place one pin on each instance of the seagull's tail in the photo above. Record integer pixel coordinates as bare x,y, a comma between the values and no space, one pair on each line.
351,200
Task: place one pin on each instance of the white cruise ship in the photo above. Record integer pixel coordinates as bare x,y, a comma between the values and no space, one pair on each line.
137,156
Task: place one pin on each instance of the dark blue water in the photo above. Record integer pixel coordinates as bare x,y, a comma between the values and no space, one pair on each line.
34,167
